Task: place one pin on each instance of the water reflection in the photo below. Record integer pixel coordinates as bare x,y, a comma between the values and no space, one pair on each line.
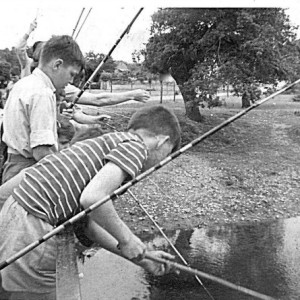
109,277
264,257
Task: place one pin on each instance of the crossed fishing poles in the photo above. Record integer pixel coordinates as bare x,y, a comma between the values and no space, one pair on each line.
77,23
143,175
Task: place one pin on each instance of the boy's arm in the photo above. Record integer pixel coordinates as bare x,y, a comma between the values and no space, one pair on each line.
108,242
108,179
41,151
104,99
80,117
22,44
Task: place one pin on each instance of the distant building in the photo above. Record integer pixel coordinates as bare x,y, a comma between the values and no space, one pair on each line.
121,67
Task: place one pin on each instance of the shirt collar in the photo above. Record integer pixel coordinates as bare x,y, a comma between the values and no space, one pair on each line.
39,73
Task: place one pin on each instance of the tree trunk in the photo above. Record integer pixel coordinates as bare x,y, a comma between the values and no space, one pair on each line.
161,91
192,111
246,100
189,97
191,105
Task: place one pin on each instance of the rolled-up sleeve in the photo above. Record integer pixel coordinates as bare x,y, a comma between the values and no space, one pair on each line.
43,130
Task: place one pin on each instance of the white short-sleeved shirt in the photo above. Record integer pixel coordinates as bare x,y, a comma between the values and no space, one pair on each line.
29,118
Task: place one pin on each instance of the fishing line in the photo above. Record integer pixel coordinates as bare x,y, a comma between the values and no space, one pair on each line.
169,241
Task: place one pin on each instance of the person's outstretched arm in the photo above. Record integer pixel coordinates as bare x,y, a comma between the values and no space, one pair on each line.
21,46
104,98
80,117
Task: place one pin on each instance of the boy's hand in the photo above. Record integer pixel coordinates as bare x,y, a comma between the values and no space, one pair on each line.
69,113
140,95
32,26
102,118
156,268
134,249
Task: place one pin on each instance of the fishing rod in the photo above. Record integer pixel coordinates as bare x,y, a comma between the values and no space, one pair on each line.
208,276
169,241
89,81
82,24
134,181
77,22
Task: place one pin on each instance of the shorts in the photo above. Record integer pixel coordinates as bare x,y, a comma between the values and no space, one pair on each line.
35,272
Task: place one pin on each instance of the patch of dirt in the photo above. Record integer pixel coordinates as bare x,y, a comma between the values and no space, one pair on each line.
247,172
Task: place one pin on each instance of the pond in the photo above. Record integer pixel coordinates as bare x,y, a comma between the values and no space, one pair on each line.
264,257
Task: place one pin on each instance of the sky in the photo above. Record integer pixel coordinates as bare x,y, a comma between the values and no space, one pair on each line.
106,21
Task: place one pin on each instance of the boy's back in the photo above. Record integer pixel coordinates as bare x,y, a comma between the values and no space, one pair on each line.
59,179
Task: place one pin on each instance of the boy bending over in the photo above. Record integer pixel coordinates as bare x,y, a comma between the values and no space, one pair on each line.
62,184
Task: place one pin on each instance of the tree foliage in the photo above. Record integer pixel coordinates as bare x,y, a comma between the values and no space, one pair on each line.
9,64
93,60
4,70
205,48
106,76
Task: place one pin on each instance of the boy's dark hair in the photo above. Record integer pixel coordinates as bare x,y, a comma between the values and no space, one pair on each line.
33,48
35,45
158,120
63,47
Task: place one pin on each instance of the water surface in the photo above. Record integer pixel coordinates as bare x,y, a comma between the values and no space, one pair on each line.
264,257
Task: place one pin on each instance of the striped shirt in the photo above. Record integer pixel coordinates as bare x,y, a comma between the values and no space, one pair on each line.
51,188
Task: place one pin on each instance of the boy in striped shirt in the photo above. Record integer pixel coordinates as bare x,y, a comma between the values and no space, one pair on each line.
62,184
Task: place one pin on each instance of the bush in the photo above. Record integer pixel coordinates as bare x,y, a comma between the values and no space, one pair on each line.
215,102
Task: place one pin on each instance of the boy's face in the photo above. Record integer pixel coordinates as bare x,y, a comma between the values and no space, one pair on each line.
157,155
63,75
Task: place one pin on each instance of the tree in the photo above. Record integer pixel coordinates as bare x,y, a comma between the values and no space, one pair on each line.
205,48
11,57
9,64
5,70
92,62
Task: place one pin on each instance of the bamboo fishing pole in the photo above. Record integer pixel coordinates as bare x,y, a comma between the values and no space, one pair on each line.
134,181
89,81
77,22
82,24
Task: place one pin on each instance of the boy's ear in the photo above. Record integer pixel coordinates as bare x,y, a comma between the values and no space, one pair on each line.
161,139
57,63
